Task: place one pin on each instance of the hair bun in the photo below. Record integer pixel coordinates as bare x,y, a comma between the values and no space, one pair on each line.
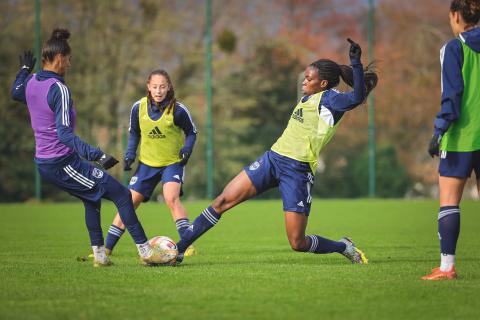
60,34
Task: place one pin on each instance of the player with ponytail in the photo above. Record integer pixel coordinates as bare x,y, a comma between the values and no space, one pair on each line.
61,156
166,134
291,162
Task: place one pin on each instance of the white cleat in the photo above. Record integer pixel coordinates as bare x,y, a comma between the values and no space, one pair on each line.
352,253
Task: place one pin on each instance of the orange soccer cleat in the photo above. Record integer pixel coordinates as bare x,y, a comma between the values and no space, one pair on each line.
441,275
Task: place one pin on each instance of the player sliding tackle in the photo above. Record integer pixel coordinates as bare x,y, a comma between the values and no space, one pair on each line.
291,162
59,152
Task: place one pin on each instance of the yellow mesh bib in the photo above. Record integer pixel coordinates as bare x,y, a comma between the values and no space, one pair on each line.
306,133
161,140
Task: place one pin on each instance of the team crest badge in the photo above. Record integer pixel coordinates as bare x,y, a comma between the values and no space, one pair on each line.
254,166
97,173
133,180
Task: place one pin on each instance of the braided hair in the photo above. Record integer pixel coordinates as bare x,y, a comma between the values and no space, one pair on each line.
332,72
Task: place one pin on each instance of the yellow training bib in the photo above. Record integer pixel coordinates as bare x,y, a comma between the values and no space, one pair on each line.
306,133
161,140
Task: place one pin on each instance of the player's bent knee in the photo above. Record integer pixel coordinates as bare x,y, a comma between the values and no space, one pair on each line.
298,245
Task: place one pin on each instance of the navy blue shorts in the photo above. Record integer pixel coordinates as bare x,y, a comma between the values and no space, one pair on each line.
146,178
76,176
293,178
459,164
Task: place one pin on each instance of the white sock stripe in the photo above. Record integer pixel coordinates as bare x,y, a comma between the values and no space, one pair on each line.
445,213
208,218
182,224
313,243
450,210
115,232
78,177
211,215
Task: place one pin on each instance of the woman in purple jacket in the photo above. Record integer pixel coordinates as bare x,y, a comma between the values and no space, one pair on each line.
62,157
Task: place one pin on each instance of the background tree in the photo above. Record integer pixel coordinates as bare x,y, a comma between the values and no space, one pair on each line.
259,49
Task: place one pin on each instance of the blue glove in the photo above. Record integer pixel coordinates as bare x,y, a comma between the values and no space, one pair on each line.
127,164
184,156
27,61
434,146
107,161
355,50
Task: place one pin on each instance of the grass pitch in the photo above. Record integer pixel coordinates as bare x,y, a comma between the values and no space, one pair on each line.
244,268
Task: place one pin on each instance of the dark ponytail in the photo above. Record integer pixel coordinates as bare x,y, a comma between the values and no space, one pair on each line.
469,9
332,72
57,44
171,92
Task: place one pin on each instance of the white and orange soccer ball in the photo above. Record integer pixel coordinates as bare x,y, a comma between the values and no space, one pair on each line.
167,249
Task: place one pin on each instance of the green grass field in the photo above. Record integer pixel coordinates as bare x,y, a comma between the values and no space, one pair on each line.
244,269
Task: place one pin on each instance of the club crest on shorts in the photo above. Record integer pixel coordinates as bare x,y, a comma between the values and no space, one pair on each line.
133,180
97,173
254,166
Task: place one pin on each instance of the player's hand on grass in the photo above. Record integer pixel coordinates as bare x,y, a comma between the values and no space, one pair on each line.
184,156
27,61
127,164
107,161
355,50
434,146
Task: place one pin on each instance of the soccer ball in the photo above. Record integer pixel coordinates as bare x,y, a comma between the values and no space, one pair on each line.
166,248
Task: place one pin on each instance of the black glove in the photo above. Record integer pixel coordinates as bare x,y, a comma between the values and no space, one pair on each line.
184,156
127,164
355,50
27,60
434,146
107,161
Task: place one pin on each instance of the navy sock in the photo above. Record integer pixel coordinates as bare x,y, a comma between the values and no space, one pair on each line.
92,220
206,220
182,225
114,234
448,228
324,245
122,198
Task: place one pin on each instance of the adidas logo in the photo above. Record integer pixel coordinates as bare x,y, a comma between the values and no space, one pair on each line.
298,115
156,134
300,204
